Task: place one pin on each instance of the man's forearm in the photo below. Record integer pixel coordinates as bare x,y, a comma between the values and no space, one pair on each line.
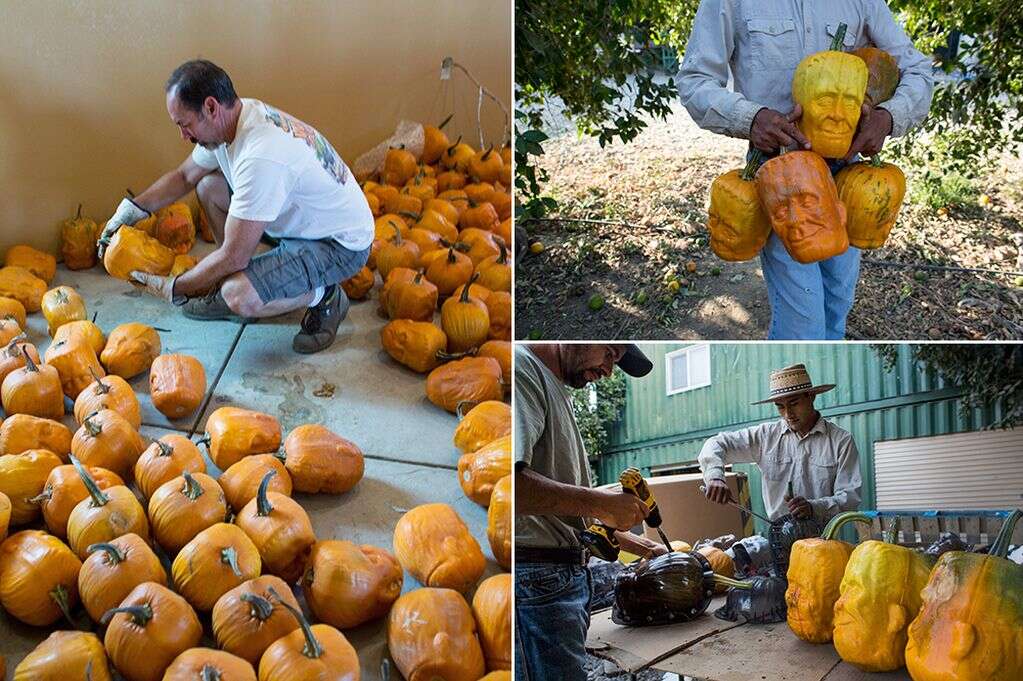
536,494
164,191
210,271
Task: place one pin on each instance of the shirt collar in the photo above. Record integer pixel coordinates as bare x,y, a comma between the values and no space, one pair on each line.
819,427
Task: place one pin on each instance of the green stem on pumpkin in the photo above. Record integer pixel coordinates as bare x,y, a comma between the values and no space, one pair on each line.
259,607
101,387
78,215
230,557
43,496
140,614
838,42
756,159
876,161
889,535
114,554
192,489
728,581
98,497
263,505
836,523
445,121
165,449
62,598
1000,547
312,648
29,364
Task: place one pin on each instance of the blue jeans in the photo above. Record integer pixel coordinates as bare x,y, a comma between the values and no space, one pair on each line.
809,302
552,615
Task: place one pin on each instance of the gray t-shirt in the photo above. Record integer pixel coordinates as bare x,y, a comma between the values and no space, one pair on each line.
547,440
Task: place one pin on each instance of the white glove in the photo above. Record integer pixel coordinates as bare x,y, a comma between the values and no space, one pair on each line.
127,213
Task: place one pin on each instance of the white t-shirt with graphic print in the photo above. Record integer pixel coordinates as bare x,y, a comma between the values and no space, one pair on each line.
283,172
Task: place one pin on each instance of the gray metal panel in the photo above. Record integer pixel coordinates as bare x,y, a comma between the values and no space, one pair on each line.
979,470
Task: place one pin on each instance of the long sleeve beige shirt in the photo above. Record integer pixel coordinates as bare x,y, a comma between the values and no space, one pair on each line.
758,43
823,465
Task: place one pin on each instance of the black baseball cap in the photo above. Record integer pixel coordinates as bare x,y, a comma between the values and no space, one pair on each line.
634,362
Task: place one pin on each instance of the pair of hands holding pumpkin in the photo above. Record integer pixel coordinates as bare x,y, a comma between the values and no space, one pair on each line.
128,213
771,130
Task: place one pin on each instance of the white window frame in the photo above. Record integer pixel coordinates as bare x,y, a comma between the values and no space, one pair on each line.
687,351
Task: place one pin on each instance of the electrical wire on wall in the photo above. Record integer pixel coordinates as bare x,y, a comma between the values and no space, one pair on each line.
454,100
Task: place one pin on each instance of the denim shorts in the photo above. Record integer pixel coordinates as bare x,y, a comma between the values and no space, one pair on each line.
296,266
552,615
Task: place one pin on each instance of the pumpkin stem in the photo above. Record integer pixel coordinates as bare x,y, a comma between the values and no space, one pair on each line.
458,408
503,258
889,535
79,213
259,608
451,255
94,315
165,449
756,159
449,356
140,614
464,298
397,232
487,153
1001,546
263,506
876,162
61,597
114,554
29,364
99,498
408,214
445,121
312,648
230,557
11,349
192,489
91,426
836,523
452,147
43,496
101,387
734,583
210,673
839,39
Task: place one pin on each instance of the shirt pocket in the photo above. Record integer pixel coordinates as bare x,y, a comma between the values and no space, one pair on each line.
851,36
777,467
774,43
823,465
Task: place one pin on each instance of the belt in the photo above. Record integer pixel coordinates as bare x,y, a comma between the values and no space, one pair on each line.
563,555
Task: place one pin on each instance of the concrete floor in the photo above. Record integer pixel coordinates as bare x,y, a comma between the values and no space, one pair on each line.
376,403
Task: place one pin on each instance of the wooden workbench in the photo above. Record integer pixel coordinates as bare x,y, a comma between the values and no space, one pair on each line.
711,649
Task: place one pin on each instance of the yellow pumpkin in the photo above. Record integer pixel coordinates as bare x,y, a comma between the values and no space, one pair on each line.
23,286
42,265
22,478
78,241
738,226
62,305
131,249
872,193
65,655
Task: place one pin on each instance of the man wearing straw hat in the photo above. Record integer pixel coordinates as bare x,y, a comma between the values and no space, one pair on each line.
802,448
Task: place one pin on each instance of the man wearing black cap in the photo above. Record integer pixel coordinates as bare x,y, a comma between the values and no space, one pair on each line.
554,503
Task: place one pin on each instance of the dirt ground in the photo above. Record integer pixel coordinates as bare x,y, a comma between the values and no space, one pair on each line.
650,198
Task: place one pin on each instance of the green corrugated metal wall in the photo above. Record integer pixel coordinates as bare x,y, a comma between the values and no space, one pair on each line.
869,401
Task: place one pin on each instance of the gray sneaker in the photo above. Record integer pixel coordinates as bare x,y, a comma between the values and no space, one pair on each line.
319,325
212,307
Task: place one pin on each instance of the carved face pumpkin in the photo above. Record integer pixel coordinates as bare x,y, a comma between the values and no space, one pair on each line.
736,221
801,201
830,87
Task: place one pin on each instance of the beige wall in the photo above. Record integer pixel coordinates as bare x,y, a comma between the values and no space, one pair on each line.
82,113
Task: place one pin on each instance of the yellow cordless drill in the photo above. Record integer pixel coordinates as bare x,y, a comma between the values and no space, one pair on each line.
600,539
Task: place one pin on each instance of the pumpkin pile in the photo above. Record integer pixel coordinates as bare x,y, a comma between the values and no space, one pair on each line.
815,215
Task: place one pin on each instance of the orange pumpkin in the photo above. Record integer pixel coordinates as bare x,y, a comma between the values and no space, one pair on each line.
347,585
475,291
499,306
479,215
62,305
107,440
104,515
435,142
10,330
495,271
470,379
479,192
151,627
385,227
183,507
457,156
247,619
396,276
166,459
40,264
280,529
431,634
78,241
241,481
182,263
446,209
113,569
399,166
23,286
64,490
133,250
12,357
720,563
491,606
738,226
416,299
481,423
81,330
418,345
801,200
433,543
501,351
388,197
76,364
321,461
233,433
5,516
499,522
882,74
23,478
216,560
130,349
449,272
33,389
177,384
9,307
204,664
397,253
109,392
479,471
315,652
440,223
502,203
482,244
359,286
65,655
176,232
465,320
38,578
426,241
486,165
22,432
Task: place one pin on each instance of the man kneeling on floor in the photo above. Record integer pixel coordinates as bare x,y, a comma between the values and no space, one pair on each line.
258,172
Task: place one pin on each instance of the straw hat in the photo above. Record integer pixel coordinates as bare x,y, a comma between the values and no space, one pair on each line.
793,380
